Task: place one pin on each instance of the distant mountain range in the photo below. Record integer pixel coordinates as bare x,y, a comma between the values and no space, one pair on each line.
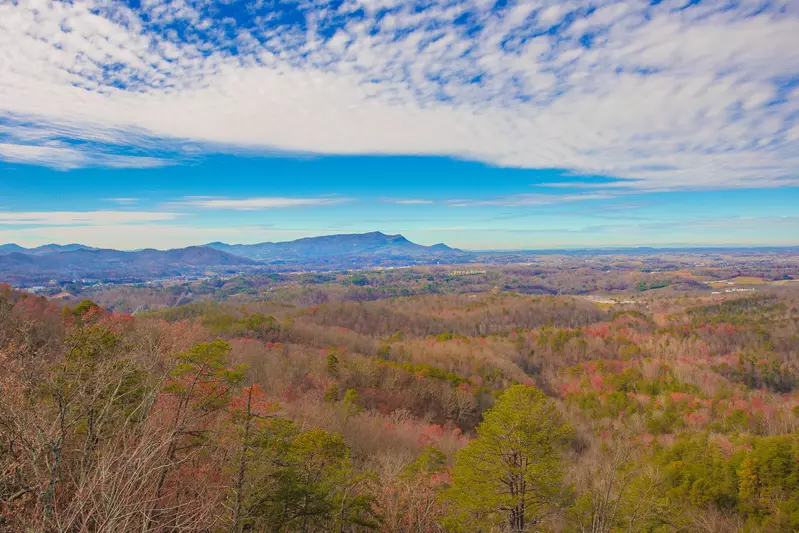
35,266
358,246
21,265
113,265
39,250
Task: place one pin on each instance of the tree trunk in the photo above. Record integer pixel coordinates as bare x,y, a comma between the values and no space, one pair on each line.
245,446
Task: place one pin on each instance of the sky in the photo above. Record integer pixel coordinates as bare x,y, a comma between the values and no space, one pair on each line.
484,124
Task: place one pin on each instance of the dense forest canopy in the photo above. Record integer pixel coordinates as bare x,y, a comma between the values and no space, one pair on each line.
484,411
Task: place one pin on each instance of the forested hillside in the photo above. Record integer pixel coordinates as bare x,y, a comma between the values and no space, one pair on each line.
483,412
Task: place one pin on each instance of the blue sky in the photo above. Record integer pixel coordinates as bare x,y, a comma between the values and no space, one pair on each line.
482,124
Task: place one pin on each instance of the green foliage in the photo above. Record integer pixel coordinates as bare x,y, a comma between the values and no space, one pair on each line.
642,285
632,380
562,336
257,325
633,313
768,481
84,307
97,381
557,338
203,378
740,311
260,322
186,312
511,474
384,352
430,461
697,471
220,321
663,422
331,394
618,397
620,494
308,486
610,405
357,279
81,313
759,370
737,420
428,371
350,401
618,403
332,364
758,477
92,344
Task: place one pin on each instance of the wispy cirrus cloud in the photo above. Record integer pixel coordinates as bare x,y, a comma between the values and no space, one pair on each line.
123,201
66,158
712,231
407,201
74,218
529,199
252,204
667,95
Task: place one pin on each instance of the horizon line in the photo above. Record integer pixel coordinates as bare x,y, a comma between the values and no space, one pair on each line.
575,248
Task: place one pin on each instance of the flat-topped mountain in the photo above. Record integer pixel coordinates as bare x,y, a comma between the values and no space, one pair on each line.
376,245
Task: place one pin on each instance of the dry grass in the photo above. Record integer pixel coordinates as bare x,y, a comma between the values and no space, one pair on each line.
748,280
740,280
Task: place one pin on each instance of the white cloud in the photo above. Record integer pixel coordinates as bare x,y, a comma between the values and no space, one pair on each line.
66,158
249,204
123,201
408,201
52,156
670,98
722,231
82,218
530,199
